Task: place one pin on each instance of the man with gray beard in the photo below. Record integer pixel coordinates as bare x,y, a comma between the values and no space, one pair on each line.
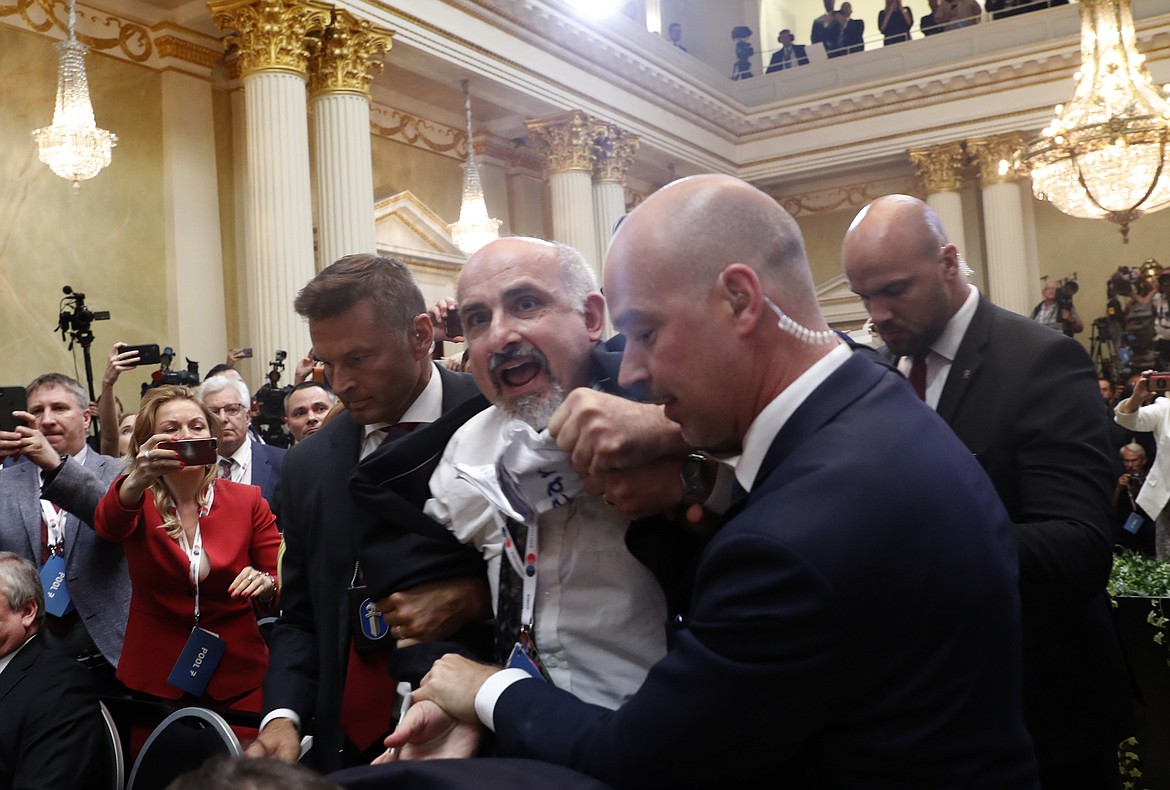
595,621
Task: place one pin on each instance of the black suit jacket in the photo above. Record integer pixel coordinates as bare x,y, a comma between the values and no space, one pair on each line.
1024,399
856,624
51,726
799,55
322,528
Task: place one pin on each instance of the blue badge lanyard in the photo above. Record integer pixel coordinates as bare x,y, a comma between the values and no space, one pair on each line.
55,534
525,568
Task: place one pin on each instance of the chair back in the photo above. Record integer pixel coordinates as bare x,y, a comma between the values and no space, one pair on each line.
110,770
181,743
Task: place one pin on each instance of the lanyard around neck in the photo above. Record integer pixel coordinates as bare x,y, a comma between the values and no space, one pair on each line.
524,567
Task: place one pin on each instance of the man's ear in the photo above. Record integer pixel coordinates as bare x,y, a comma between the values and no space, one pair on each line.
743,293
594,315
422,336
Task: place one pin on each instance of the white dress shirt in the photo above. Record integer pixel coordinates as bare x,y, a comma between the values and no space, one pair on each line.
942,351
600,615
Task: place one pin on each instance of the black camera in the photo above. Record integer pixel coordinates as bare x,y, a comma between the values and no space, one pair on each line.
1066,289
1134,482
75,317
164,376
269,422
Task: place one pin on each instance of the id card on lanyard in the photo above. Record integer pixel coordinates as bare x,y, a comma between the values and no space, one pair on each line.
201,654
524,653
58,602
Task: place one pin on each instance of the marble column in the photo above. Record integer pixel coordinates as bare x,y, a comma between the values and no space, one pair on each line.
196,311
940,169
613,154
1008,281
275,39
569,158
339,86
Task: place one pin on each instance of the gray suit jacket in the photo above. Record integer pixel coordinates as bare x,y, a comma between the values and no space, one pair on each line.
95,569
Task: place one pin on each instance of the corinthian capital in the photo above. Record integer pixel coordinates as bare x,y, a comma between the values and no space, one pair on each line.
613,153
996,157
569,139
940,167
351,53
272,35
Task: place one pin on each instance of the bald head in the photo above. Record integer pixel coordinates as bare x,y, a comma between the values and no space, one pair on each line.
897,259
694,278
697,226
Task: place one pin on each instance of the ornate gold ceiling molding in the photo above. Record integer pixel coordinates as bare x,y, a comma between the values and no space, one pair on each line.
402,127
853,196
131,39
179,43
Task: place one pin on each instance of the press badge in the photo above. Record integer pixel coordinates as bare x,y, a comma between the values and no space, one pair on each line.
370,631
57,600
525,656
197,662
1132,525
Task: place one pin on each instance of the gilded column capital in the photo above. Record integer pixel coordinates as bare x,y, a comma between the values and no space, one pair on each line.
569,139
940,167
613,153
351,53
997,157
272,35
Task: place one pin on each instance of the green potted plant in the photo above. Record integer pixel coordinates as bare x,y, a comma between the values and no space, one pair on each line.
1140,586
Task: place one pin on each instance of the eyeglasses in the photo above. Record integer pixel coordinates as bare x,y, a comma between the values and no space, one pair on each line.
230,409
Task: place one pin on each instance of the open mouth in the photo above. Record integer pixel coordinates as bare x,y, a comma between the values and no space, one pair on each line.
519,375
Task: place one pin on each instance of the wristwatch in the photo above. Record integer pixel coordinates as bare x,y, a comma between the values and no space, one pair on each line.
698,478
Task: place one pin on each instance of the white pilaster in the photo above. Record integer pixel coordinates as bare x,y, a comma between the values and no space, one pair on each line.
609,204
196,316
572,213
1007,255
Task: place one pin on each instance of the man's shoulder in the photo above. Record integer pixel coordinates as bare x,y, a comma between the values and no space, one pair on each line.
333,437
268,451
457,387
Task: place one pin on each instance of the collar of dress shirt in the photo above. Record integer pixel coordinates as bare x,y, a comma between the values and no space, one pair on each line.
243,456
771,419
427,407
947,345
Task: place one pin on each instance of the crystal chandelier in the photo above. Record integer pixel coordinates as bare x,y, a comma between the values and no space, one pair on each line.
1103,155
73,147
474,228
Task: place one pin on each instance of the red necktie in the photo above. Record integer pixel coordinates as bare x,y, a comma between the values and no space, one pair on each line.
918,375
367,707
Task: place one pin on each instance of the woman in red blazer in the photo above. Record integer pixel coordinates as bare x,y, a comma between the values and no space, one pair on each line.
172,517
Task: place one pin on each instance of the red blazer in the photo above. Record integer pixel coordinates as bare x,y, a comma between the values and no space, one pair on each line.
239,530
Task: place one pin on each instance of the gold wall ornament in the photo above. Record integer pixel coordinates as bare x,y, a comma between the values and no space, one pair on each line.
402,127
851,197
996,157
613,153
351,52
272,35
569,138
189,51
41,15
940,167
1104,154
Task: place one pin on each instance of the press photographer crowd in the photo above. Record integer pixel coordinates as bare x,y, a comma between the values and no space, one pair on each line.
562,560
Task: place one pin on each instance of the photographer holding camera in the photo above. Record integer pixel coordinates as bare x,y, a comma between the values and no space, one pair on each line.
1137,526
1057,309
1136,415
